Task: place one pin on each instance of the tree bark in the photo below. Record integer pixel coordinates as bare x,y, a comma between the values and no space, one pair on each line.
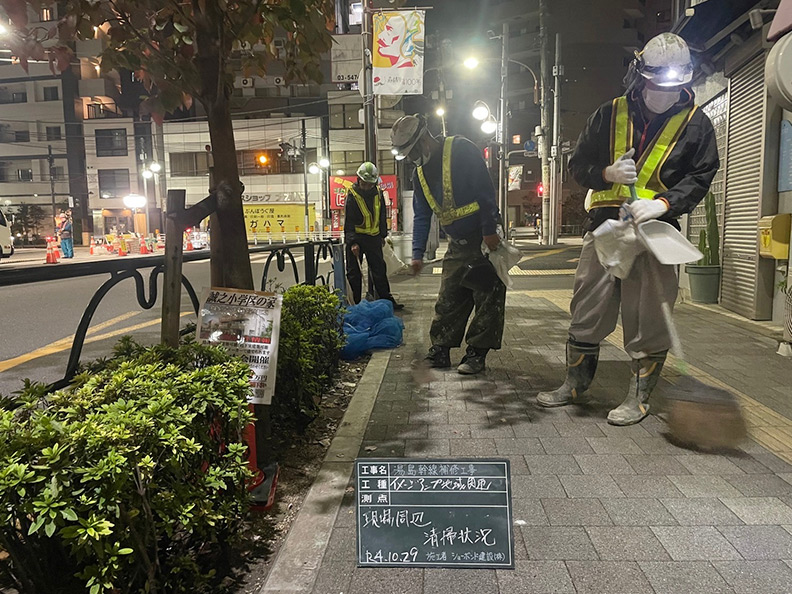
232,252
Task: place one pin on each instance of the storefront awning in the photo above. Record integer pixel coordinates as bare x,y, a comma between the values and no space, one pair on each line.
712,22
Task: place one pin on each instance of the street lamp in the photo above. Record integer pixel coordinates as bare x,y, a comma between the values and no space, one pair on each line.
314,168
490,125
149,172
324,163
481,111
472,63
133,202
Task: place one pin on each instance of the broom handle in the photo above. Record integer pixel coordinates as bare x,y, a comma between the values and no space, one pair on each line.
676,344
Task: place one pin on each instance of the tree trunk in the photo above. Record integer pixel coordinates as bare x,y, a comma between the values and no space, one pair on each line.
232,252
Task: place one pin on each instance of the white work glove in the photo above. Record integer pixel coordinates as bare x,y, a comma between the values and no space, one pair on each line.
646,210
622,171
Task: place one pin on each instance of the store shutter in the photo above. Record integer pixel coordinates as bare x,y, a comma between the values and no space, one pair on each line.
743,188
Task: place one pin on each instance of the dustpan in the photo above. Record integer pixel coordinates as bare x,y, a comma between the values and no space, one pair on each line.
667,244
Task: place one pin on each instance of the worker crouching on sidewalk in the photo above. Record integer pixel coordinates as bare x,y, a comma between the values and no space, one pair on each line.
656,139
451,180
365,230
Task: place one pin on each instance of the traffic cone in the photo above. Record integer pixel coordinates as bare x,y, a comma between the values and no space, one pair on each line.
122,249
143,247
56,251
189,244
50,254
93,246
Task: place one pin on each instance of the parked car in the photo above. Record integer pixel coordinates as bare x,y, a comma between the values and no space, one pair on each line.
6,238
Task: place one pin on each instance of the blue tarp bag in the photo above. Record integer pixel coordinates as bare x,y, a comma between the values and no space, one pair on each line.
370,325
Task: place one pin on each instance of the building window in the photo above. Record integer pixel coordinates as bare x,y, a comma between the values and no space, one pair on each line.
345,117
45,15
51,94
111,142
386,163
25,175
19,97
113,183
189,164
54,133
22,136
347,161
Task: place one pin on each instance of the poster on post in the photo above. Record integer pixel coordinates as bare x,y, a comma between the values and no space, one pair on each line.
247,324
398,56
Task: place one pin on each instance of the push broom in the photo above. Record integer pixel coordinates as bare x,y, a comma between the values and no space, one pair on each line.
700,415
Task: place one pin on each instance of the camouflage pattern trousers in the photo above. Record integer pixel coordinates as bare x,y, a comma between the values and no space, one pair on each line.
455,304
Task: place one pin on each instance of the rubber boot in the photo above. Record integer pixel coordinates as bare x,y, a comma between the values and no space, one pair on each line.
635,407
438,357
473,362
581,365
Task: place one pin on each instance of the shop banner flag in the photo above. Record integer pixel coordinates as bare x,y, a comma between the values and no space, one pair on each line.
398,56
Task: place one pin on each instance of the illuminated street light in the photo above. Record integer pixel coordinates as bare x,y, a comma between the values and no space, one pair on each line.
3,29
440,112
324,163
471,63
481,111
148,174
313,168
155,167
134,201
490,126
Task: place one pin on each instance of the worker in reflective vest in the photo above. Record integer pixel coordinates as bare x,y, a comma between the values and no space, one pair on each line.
656,139
451,181
365,230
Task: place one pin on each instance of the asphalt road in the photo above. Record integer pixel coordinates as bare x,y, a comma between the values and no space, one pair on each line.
37,321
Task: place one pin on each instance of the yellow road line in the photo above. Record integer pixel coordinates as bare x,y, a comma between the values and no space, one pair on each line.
65,343
765,426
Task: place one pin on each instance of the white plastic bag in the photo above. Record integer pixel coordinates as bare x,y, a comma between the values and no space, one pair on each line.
617,245
503,259
392,261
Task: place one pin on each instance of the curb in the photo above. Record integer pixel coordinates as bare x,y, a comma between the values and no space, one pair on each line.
297,564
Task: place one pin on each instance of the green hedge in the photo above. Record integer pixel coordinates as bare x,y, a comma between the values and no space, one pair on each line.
132,480
311,339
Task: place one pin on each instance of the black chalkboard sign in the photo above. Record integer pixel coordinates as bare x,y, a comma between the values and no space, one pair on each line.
434,513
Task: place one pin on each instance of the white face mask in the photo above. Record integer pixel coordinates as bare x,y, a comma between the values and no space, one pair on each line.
660,101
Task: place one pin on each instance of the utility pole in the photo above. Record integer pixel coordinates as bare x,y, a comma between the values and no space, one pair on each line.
369,107
556,188
303,136
503,133
545,118
51,161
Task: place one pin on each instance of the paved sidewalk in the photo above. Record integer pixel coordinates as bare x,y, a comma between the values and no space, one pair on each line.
598,509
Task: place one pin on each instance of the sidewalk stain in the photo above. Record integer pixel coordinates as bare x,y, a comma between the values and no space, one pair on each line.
765,426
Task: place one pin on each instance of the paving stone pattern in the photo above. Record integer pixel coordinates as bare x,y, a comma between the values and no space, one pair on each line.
600,509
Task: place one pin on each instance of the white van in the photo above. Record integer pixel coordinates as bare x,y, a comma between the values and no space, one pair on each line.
6,239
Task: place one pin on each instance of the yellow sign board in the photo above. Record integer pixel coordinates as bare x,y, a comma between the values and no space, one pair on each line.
261,219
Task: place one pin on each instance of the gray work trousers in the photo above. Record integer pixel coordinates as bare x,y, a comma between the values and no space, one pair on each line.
598,297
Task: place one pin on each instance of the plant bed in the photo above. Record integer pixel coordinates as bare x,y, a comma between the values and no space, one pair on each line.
300,456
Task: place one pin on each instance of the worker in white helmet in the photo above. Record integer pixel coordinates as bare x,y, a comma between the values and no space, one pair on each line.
656,139
451,181
365,230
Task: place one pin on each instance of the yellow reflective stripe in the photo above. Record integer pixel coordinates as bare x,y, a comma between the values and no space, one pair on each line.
370,222
447,213
648,184
448,184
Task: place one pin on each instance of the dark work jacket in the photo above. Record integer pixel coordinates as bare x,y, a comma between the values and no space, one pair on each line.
472,183
354,218
687,173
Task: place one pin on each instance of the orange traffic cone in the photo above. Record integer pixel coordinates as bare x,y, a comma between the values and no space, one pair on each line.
122,249
189,244
143,247
56,250
50,254
93,247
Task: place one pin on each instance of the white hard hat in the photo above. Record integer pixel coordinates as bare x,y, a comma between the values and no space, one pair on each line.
665,60
368,172
406,133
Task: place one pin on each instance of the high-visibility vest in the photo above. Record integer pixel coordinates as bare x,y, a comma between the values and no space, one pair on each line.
371,221
447,213
651,162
